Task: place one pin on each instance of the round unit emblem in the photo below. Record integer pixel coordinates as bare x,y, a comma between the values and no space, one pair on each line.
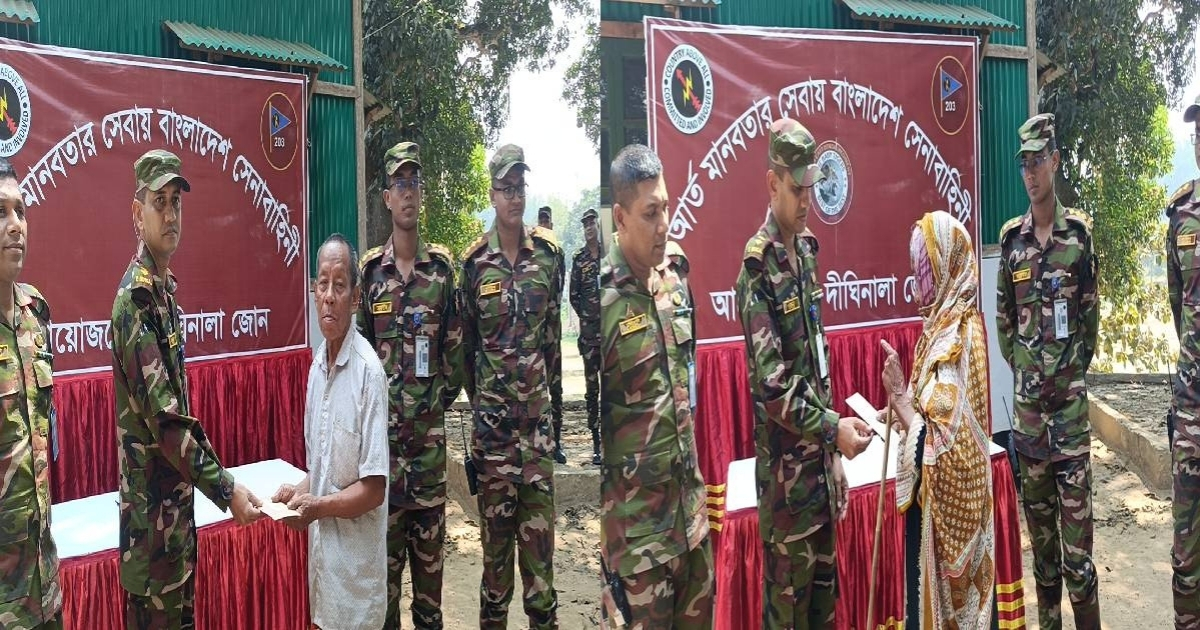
687,89
14,111
833,193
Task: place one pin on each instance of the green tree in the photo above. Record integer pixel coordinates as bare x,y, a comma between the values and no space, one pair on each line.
442,68
583,87
1124,59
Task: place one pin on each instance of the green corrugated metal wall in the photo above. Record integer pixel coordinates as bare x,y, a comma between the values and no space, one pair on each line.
1003,88
135,27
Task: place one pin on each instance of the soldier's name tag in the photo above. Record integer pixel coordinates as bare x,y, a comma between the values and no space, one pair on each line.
1185,240
491,288
381,308
791,306
422,352
1060,319
634,324
1021,275
822,367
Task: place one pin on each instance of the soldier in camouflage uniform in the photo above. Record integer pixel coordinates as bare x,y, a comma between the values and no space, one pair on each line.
585,299
30,596
546,222
509,299
655,552
162,451
1183,284
1047,316
408,315
797,434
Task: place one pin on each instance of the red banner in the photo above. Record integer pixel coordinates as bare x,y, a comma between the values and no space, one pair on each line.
73,122
895,120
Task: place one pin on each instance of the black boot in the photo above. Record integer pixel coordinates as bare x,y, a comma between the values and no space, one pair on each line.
559,456
596,447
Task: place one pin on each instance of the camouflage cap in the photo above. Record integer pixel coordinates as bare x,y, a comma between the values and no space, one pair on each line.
157,168
399,155
589,215
1036,133
1192,112
792,147
544,211
505,158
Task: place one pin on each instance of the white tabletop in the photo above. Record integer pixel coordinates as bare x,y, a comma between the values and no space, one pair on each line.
88,525
862,470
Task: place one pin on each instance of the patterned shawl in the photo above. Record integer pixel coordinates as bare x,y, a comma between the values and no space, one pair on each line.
949,384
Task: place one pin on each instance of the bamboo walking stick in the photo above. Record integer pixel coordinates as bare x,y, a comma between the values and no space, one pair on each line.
887,442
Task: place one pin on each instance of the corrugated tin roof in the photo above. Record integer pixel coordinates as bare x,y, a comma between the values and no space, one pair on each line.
252,46
937,14
20,11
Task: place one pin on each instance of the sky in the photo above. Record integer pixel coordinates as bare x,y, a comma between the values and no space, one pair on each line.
562,160
1184,163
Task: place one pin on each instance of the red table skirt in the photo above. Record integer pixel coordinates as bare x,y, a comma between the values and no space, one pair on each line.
251,408
246,577
738,561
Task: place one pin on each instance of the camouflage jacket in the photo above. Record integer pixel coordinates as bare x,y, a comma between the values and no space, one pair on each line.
652,496
396,314
1183,284
511,333
27,550
162,450
794,428
1051,395
585,295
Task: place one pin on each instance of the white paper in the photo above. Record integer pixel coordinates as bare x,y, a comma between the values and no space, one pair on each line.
277,511
870,415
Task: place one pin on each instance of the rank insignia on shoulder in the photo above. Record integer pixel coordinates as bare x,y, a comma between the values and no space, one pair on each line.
1185,240
491,288
381,308
634,324
39,340
791,306
677,299
1021,275
141,276
173,339
4,356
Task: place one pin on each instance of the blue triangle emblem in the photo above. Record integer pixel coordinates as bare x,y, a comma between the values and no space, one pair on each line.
279,122
950,85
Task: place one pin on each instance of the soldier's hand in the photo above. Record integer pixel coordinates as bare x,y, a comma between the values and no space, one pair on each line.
284,494
244,505
841,487
853,436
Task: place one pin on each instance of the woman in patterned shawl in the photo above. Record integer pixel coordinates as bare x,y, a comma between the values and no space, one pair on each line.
942,411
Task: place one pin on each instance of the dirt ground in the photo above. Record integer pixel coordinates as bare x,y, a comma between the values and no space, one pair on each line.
1132,534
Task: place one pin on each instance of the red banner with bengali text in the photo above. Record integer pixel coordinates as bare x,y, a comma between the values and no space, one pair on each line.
72,122
895,119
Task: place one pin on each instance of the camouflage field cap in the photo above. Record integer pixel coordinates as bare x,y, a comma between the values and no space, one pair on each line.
544,212
589,215
399,155
1036,133
793,147
157,168
1192,112
505,158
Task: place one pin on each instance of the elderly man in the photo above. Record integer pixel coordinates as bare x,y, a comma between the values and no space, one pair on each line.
345,434
29,593
162,451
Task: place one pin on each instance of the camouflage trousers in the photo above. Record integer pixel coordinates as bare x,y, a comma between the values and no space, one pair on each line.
591,377
1185,554
1058,511
677,595
800,582
416,533
517,515
174,609
15,615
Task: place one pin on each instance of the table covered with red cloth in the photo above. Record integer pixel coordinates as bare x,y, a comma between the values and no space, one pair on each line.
738,560
246,577
724,407
251,408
